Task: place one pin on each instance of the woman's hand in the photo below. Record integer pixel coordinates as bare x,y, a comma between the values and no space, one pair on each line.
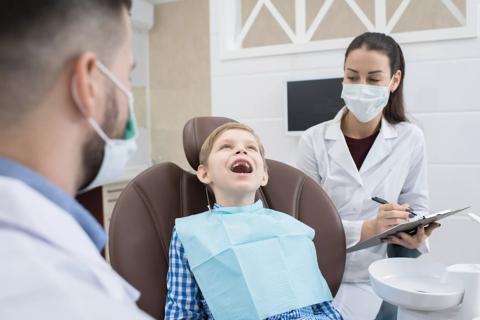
389,215
412,241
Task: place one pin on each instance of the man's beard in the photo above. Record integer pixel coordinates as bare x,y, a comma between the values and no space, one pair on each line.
93,150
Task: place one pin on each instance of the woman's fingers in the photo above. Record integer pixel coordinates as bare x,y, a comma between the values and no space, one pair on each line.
394,221
397,240
405,206
393,217
412,242
392,207
431,227
419,236
391,211
390,215
404,239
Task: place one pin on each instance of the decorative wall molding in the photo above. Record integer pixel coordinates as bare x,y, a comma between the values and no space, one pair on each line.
233,31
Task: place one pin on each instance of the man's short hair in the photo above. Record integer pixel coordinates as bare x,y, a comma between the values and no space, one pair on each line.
212,137
37,39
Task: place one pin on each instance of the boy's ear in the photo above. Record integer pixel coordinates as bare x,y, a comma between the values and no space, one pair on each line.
264,178
202,174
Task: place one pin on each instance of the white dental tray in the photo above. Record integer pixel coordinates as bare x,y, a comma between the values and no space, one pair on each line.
415,284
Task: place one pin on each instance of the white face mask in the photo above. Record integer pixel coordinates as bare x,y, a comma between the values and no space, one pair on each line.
365,101
117,152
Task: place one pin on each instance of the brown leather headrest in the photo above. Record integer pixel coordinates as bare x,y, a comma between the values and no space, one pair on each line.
195,132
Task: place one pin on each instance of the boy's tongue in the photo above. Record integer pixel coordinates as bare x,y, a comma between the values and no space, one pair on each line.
241,167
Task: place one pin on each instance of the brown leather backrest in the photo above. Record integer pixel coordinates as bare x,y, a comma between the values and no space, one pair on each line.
145,214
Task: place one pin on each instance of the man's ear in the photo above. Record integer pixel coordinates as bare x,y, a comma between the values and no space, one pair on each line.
202,174
265,177
83,84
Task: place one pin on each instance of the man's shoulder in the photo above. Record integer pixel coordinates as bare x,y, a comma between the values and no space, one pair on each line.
32,254
36,218
19,197
42,281
11,189
22,206
30,263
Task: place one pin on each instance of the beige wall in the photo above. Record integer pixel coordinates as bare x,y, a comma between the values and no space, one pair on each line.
141,113
436,16
179,74
265,30
341,21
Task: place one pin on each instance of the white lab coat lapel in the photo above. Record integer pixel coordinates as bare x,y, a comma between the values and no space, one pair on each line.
45,220
381,148
339,152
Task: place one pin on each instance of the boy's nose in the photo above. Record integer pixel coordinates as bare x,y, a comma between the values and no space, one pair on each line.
241,150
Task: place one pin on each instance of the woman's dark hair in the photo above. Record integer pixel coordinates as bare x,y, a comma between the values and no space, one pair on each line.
394,112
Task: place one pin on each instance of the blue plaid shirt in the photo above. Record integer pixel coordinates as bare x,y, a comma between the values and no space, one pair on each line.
185,301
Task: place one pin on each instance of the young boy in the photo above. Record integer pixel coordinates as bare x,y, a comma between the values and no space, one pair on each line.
239,260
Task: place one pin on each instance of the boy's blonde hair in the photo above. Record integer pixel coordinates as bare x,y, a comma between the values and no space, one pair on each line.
212,137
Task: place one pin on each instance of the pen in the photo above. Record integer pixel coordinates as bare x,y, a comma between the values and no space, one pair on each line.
383,201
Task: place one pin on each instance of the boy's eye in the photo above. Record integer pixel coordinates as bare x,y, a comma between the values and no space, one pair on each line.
351,78
374,80
225,146
253,148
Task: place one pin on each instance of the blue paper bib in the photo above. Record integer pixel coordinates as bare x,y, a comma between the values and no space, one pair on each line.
251,262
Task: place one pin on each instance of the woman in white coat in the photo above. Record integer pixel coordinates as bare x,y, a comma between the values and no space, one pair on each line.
369,149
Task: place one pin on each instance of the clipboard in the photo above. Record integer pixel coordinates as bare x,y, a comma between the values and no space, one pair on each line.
409,227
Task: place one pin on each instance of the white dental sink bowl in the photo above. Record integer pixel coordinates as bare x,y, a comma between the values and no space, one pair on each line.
414,284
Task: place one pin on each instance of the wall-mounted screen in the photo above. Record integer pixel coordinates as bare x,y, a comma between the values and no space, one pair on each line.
310,102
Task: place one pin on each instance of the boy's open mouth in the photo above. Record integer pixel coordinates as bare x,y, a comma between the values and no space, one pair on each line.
241,166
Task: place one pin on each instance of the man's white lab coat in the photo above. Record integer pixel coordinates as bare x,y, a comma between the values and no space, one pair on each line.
49,268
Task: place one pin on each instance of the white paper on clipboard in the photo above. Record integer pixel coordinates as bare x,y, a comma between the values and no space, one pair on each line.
404,227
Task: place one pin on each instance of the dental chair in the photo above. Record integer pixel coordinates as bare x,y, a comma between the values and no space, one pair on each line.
145,213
